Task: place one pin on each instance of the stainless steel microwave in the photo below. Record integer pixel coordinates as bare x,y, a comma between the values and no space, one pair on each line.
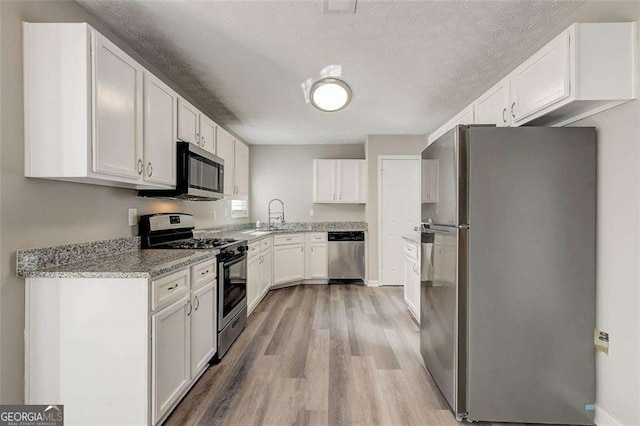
199,176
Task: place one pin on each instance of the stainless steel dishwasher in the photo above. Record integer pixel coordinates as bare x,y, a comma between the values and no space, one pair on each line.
346,257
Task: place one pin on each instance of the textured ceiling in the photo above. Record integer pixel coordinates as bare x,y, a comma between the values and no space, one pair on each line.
411,64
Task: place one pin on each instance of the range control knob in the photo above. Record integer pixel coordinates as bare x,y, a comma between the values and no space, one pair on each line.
241,249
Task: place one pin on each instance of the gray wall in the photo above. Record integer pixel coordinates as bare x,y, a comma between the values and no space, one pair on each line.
617,275
40,213
286,172
375,146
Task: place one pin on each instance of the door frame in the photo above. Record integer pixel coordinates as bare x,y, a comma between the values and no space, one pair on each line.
381,158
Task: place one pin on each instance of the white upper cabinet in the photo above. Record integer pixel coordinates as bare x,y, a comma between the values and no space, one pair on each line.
465,116
236,164
195,127
493,107
241,163
188,122
160,122
208,134
324,176
339,181
84,111
541,80
586,69
117,106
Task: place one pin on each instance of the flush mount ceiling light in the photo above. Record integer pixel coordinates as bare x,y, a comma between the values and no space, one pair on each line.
330,94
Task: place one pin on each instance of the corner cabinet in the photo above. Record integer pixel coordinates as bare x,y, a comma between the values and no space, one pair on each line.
340,181
84,111
288,258
586,69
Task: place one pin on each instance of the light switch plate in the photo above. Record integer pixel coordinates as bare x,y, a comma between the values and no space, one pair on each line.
133,217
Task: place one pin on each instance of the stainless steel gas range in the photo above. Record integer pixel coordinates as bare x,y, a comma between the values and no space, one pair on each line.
175,231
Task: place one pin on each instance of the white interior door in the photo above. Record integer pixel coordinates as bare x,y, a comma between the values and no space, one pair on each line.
399,212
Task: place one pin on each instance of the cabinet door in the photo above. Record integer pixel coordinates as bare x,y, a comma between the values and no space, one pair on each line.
253,281
412,285
493,106
117,111
266,271
160,118
203,327
349,181
207,134
324,181
541,80
465,116
170,358
224,150
188,122
317,261
288,263
241,166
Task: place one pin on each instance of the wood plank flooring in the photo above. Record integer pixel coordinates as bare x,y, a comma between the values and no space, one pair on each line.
321,355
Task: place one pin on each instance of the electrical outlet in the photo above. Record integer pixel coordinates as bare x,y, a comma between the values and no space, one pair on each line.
601,340
312,212
133,217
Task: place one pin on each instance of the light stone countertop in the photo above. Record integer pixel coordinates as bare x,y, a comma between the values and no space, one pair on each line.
133,264
415,239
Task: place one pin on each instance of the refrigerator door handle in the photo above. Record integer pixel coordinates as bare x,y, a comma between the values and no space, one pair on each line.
445,228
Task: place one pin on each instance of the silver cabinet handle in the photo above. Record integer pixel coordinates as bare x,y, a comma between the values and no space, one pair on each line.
204,272
504,119
513,114
140,166
198,138
150,169
311,249
172,287
340,197
333,196
190,307
204,141
302,248
197,303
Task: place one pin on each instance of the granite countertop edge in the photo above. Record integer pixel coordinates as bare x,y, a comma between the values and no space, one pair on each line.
240,235
411,239
148,269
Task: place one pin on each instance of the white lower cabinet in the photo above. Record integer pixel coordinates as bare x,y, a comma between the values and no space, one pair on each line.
411,274
316,258
171,360
203,330
253,282
288,263
266,270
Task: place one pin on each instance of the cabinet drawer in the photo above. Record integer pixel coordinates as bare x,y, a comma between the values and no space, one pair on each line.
170,288
318,237
254,249
265,244
411,250
282,240
203,273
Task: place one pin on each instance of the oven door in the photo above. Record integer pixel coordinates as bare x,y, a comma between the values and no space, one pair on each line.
205,173
232,288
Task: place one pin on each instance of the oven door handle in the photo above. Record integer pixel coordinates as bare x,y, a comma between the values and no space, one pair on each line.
234,260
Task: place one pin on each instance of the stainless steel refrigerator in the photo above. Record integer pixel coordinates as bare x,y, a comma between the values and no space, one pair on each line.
508,289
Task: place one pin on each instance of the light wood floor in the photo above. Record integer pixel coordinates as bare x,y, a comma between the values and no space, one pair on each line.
321,355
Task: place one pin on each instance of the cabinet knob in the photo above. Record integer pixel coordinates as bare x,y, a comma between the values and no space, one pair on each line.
140,166
150,169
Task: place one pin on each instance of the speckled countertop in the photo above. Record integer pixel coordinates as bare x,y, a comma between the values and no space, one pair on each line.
131,264
252,235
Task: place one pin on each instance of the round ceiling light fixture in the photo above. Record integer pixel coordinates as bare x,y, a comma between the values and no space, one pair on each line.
330,94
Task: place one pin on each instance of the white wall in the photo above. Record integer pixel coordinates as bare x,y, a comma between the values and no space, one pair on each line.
40,213
286,172
617,294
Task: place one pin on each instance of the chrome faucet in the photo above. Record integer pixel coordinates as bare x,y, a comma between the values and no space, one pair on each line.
276,215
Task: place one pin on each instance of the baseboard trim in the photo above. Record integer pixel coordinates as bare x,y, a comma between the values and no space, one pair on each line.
602,418
373,283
